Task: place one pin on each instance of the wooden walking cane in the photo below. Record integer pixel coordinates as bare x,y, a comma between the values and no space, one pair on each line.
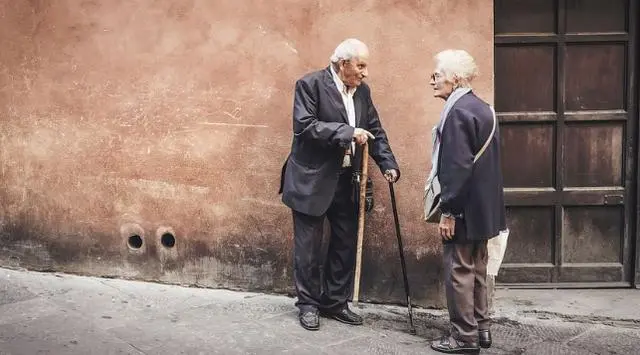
361,214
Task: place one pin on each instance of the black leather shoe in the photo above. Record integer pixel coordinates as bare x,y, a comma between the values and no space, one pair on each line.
344,315
484,338
449,345
309,320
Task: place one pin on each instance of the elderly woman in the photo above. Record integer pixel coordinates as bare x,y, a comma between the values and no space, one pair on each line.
467,165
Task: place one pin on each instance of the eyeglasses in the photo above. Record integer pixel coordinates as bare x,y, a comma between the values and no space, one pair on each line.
436,76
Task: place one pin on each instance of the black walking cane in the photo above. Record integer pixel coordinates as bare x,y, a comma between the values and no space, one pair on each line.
412,329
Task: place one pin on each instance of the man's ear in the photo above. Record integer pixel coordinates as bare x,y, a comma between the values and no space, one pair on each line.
345,63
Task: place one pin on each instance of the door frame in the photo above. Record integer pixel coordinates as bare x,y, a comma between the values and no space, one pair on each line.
634,89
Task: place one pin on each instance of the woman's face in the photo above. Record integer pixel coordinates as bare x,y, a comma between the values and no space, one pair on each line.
442,88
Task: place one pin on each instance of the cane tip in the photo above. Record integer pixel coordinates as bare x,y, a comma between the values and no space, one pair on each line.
412,331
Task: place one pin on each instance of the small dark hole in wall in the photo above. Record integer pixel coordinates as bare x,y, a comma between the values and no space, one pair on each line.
168,240
135,241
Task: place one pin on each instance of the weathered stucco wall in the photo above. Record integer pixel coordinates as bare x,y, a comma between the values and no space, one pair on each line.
142,117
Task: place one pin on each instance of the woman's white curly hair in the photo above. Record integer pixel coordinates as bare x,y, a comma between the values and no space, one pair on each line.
457,66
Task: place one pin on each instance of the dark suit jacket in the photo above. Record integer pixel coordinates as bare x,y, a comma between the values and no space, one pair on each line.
321,133
473,190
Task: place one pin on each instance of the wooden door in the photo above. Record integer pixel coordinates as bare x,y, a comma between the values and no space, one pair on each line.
565,94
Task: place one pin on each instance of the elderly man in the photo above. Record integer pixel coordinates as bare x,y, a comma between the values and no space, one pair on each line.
332,114
467,164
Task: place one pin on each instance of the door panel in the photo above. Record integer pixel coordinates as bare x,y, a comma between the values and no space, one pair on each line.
532,91
525,16
538,168
595,76
596,16
592,234
593,154
532,230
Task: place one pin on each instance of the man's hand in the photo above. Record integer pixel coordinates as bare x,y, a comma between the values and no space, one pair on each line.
391,175
447,227
361,136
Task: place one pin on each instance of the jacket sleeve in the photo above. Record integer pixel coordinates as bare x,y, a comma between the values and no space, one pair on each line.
379,148
306,124
456,160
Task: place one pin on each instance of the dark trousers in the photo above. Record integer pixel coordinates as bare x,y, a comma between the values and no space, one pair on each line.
332,292
465,271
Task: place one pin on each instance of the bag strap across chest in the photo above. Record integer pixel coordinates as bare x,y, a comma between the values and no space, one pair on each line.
493,131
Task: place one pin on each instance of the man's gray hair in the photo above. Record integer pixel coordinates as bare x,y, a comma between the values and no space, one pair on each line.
457,65
348,49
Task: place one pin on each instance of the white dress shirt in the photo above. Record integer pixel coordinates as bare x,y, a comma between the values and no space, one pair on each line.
347,100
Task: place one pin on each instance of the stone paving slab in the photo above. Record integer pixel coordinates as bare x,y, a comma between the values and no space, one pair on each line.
603,339
555,349
30,309
593,304
10,292
59,334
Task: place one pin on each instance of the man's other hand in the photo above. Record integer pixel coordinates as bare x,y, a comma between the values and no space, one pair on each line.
391,175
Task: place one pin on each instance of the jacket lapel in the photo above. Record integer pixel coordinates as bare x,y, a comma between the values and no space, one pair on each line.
357,105
334,95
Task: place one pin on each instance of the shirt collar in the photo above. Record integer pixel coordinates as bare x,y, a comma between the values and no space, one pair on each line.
341,87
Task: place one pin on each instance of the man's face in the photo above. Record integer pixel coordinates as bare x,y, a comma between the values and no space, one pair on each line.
442,88
353,71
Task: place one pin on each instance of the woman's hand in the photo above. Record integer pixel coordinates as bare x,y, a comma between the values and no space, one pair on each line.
447,226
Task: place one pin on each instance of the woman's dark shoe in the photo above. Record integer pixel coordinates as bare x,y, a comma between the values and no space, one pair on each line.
449,345
309,320
344,315
484,338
